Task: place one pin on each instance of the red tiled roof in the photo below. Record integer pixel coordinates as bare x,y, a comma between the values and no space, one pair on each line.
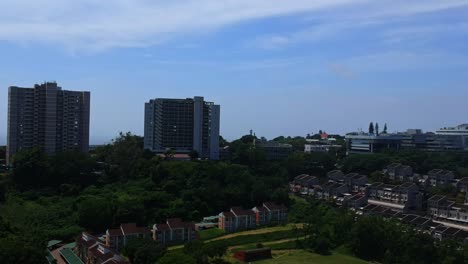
98,254
91,239
178,223
162,227
241,211
114,232
274,206
132,228
261,208
228,214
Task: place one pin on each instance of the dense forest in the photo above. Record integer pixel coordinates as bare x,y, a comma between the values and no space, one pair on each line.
55,197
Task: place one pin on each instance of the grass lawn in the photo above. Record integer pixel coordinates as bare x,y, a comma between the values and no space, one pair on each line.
262,235
259,231
301,257
210,233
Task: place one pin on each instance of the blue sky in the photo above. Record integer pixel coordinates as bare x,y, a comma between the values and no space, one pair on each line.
277,67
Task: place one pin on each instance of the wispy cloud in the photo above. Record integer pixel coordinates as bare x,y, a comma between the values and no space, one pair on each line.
97,24
373,15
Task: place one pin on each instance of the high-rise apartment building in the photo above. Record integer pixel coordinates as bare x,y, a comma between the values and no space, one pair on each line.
182,125
48,117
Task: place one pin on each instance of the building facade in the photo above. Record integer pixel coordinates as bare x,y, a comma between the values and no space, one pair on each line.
237,219
402,197
174,231
372,143
274,150
48,117
118,238
183,125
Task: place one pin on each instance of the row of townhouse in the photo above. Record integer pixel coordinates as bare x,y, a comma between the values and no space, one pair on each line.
419,223
337,184
174,231
353,190
238,218
119,237
441,209
404,197
404,173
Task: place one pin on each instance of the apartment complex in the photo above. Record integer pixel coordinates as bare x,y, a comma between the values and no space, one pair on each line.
183,125
118,238
238,218
174,231
48,117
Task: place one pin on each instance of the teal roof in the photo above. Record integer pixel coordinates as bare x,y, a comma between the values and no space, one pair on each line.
71,245
70,257
53,243
50,258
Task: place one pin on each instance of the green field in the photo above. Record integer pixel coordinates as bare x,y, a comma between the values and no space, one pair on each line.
301,257
210,233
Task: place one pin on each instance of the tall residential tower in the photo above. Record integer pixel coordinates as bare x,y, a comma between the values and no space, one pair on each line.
183,125
47,117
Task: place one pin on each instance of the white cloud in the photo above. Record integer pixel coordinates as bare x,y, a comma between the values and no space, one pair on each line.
367,14
97,24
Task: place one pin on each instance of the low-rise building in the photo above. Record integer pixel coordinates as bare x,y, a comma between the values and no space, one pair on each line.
399,197
444,210
174,231
355,201
462,185
332,190
274,150
399,172
439,177
372,143
335,175
118,238
237,219
355,181
277,213
302,183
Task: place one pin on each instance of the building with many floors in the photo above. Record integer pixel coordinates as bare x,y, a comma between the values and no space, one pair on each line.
47,117
183,125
